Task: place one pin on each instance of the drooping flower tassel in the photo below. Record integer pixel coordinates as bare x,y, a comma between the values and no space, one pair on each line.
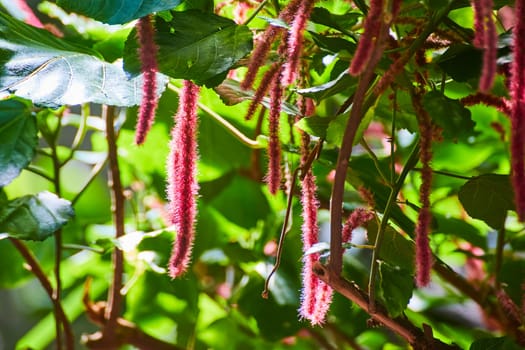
273,178
295,41
182,182
486,38
366,44
424,220
517,94
148,57
29,16
316,295
264,44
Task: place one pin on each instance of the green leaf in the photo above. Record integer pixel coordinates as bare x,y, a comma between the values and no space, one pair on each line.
396,250
35,217
342,83
340,22
462,62
194,46
52,72
488,197
18,139
116,11
395,287
314,125
502,343
231,94
450,115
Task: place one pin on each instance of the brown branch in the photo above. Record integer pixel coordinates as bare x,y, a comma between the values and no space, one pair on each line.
113,309
124,332
35,268
400,325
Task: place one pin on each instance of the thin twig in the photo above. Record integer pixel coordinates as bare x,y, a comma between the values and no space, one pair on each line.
57,293
225,124
257,10
400,325
95,171
394,192
35,268
284,231
302,170
113,309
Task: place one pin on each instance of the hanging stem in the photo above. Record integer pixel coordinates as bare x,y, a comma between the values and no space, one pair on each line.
394,192
60,315
114,297
57,293
499,256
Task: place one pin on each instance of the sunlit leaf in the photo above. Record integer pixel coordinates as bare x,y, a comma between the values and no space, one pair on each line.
502,343
116,11
343,82
194,45
18,139
395,287
488,197
35,217
450,115
51,72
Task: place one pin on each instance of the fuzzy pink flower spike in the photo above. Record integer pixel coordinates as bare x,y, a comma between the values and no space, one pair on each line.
424,220
273,178
486,38
366,44
29,16
148,57
316,296
182,181
517,93
295,41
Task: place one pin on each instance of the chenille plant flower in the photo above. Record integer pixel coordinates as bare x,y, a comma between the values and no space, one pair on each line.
148,52
486,38
517,94
182,182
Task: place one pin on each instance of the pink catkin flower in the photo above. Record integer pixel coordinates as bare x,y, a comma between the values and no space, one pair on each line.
261,91
262,48
29,15
273,177
366,44
423,252
517,93
358,218
295,41
486,38
264,44
316,295
148,57
182,183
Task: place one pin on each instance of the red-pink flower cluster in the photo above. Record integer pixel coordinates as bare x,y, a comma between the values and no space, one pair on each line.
424,220
517,94
29,16
182,182
358,218
148,57
316,295
486,38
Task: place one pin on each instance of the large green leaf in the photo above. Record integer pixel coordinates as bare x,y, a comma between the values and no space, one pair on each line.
51,72
35,217
450,115
488,197
195,46
502,343
395,288
116,11
18,139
